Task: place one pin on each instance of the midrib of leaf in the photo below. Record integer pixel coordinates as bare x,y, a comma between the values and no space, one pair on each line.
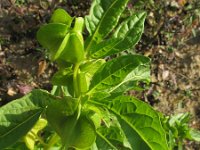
135,25
124,119
20,124
108,77
124,82
108,142
94,34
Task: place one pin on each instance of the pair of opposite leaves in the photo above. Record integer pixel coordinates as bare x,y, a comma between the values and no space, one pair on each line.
63,42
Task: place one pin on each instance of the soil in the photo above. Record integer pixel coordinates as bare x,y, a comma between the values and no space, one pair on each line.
171,40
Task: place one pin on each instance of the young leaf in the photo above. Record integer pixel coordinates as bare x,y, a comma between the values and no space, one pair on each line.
61,16
90,67
139,122
19,116
50,36
113,72
73,49
104,16
125,37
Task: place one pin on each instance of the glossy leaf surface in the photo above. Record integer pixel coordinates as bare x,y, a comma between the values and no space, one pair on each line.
125,37
104,16
113,72
141,73
139,122
19,116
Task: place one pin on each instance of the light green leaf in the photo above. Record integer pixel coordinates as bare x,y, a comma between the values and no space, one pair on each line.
194,135
139,122
90,67
50,36
113,72
73,48
104,16
19,116
61,16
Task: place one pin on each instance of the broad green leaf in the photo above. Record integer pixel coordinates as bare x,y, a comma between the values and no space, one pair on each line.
141,73
74,131
139,122
103,143
130,31
112,134
61,16
101,49
32,136
125,37
113,72
104,16
50,36
72,48
19,116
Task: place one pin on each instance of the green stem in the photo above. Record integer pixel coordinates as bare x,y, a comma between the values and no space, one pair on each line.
75,82
39,138
53,140
180,144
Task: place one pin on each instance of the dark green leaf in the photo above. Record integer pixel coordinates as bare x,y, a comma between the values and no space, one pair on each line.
19,116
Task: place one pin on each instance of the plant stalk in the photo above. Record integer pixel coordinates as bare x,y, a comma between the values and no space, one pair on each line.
75,81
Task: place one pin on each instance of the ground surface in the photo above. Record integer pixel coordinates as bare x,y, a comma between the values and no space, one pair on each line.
171,40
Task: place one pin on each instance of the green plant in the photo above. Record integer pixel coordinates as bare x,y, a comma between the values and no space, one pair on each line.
178,130
88,107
